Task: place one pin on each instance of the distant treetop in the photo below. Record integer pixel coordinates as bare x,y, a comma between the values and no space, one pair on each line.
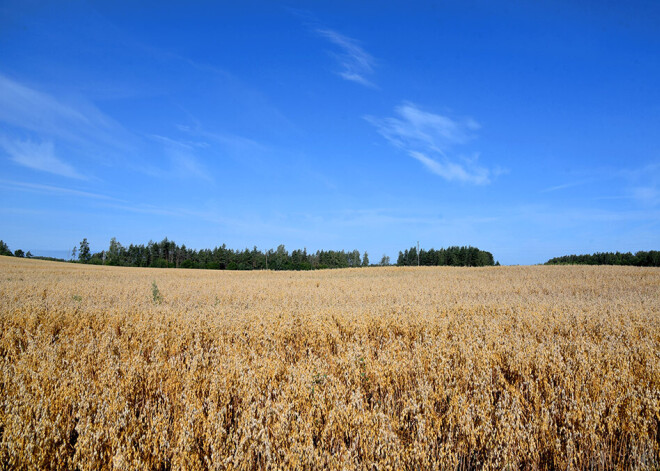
639,259
451,256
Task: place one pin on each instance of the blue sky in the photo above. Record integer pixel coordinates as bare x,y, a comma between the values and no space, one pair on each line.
529,129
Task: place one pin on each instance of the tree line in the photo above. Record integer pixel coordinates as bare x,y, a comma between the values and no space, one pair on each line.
639,259
451,256
168,254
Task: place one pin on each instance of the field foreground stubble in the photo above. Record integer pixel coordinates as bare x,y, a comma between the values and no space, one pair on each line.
533,367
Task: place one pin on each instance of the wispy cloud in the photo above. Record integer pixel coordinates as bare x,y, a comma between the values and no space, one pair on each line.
78,123
186,144
38,156
651,171
641,185
398,216
565,186
230,141
452,170
54,190
356,64
646,184
184,162
428,137
79,128
647,194
239,148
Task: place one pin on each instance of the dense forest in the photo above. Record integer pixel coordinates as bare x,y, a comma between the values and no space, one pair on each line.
639,259
451,256
168,254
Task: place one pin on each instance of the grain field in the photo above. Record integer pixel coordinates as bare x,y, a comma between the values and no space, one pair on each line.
545,367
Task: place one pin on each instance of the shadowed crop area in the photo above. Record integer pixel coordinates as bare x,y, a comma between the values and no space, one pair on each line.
539,367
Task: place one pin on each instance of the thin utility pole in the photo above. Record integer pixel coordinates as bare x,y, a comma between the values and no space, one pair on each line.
417,253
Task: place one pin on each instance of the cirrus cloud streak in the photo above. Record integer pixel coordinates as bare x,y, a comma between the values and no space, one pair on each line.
429,138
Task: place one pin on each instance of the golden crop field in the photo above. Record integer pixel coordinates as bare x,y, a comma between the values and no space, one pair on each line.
375,368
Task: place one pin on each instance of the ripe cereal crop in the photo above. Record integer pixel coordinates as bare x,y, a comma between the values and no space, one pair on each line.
540,367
